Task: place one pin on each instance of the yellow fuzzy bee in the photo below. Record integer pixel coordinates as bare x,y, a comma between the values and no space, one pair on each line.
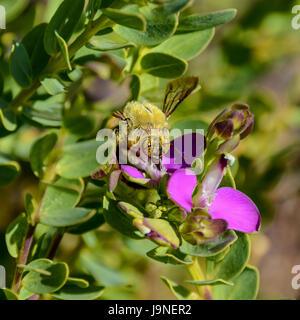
143,117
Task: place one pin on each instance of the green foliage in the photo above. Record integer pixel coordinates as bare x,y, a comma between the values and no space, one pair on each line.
180,292
64,49
205,21
186,46
120,51
47,113
7,117
210,248
9,169
15,235
163,65
7,294
63,22
71,291
56,277
171,256
235,260
158,27
127,19
20,65
40,151
66,217
245,286
52,86
34,45
62,194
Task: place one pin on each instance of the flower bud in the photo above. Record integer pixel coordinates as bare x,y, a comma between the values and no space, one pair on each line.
236,120
199,229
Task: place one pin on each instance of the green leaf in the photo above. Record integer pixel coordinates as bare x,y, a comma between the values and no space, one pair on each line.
42,284
210,282
149,83
52,86
158,27
210,248
170,7
45,236
20,65
15,235
29,268
180,292
47,112
7,116
62,194
9,169
167,255
79,160
245,286
130,20
30,206
163,65
7,294
77,282
93,7
235,260
102,273
119,220
93,223
40,152
80,125
135,87
66,217
34,44
1,83
64,50
71,291
186,46
63,22
14,9
107,45
205,21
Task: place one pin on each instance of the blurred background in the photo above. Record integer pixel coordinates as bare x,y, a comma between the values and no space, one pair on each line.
253,59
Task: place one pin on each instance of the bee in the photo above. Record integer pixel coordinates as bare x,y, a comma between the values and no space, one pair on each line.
143,117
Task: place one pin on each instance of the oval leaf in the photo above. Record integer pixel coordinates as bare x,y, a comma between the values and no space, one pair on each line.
130,20
41,283
66,217
163,65
20,65
245,287
63,22
15,235
40,151
205,21
186,46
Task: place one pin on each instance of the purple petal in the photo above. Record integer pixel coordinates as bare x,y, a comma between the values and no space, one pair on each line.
183,151
133,172
180,188
237,209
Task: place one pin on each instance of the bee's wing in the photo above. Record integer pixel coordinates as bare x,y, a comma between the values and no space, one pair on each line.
177,90
119,115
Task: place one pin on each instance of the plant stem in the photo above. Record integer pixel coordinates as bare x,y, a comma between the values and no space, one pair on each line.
22,260
197,271
197,274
